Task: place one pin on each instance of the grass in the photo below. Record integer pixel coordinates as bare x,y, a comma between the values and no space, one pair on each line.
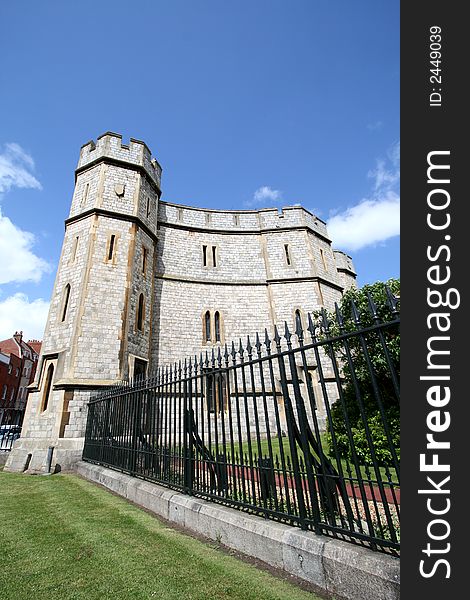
63,538
287,454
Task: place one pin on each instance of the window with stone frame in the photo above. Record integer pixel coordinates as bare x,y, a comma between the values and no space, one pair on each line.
73,254
65,302
140,313
144,260
111,248
209,255
287,255
85,193
207,327
47,387
212,327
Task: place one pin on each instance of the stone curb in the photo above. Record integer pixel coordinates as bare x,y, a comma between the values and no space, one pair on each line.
339,568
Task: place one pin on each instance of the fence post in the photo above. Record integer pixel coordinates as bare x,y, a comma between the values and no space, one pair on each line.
187,436
291,435
136,413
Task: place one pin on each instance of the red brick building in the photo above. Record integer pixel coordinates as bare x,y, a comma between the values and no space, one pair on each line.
18,362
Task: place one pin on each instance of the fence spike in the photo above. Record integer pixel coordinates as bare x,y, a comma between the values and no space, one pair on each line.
392,301
372,307
258,344
355,314
219,357
233,352
324,321
249,347
339,317
213,358
277,337
287,334
311,326
267,341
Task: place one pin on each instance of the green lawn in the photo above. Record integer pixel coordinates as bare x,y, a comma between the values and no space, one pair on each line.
275,445
63,538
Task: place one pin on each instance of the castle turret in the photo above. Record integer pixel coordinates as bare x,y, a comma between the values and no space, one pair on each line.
345,269
99,324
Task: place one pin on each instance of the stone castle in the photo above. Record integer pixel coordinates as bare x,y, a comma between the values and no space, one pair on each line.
142,283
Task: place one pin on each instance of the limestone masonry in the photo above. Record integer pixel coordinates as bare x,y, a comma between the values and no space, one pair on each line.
142,283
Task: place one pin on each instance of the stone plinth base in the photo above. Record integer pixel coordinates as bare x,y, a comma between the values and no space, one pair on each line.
341,569
31,455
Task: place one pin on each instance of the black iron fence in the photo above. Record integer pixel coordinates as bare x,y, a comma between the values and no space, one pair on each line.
299,428
11,420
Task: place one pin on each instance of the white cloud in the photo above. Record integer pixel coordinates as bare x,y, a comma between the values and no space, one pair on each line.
264,195
367,223
18,262
15,169
376,219
17,313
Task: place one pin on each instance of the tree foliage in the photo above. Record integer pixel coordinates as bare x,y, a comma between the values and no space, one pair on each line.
369,394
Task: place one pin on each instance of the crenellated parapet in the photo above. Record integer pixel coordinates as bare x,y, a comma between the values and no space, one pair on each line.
345,268
109,146
240,221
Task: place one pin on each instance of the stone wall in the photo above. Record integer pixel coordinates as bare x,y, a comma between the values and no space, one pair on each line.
249,270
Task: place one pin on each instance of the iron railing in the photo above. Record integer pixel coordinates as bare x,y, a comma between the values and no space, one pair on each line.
11,420
301,429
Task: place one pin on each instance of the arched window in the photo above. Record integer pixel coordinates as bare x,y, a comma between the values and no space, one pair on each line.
207,326
65,301
140,313
298,321
4,392
217,326
47,387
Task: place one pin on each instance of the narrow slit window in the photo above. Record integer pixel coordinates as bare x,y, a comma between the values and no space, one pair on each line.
112,242
74,249
65,302
180,214
208,218
236,220
298,321
207,326
47,387
286,250
322,254
204,256
148,207
217,326
214,256
144,260
140,313
85,193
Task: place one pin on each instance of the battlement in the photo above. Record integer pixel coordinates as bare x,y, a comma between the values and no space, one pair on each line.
240,220
344,262
110,145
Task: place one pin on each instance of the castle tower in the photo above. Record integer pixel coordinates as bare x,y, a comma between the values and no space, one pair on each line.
99,326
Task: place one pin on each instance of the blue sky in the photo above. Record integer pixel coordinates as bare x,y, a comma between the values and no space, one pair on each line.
245,104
